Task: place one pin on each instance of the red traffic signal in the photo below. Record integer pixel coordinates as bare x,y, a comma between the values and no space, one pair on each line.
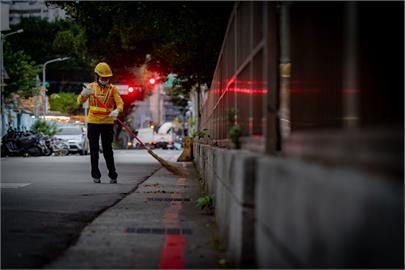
152,81
130,89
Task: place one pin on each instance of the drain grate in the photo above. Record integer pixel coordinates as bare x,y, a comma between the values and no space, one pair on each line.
168,199
170,231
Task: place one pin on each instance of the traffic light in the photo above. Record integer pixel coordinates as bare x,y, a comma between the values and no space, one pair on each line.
152,81
133,93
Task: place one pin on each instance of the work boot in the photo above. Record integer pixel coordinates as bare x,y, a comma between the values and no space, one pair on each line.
96,180
113,181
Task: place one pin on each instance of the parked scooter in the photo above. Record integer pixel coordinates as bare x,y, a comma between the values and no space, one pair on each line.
23,143
60,147
49,145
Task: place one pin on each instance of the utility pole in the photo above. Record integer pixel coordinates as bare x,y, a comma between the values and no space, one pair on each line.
36,101
44,109
85,107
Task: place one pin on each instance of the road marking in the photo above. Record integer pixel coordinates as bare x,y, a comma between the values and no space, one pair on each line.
168,199
173,252
13,185
174,245
169,231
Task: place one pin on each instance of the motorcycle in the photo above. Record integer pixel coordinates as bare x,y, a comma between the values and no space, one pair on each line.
49,145
60,147
23,143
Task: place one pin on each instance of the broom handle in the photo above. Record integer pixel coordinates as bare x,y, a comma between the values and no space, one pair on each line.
125,126
131,133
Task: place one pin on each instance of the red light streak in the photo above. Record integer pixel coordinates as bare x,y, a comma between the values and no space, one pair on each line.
248,82
248,91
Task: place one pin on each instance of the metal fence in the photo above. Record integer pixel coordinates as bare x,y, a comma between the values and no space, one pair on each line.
297,76
239,86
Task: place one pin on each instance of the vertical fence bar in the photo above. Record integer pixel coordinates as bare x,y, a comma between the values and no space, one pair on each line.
350,91
271,75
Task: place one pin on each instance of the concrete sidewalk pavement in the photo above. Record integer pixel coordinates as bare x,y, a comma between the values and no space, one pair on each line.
157,226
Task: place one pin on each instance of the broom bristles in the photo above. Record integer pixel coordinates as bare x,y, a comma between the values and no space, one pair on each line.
168,165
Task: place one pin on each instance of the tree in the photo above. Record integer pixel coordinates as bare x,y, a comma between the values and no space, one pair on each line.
43,40
64,102
22,72
178,95
182,37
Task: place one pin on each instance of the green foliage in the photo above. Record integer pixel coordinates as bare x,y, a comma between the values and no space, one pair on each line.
44,127
206,201
191,122
43,41
234,133
64,102
199,133
179,95
117,145
22,72
230,114
179,36
38,38
69,42
64,41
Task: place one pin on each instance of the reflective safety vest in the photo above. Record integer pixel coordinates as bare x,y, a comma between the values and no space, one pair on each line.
103,105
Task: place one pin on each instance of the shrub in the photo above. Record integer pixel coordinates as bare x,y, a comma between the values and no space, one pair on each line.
45,128
234,133
206,201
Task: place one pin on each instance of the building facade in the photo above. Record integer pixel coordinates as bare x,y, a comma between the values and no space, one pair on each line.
15,10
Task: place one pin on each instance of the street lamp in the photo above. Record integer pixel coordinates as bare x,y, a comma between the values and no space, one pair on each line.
2,72
43,81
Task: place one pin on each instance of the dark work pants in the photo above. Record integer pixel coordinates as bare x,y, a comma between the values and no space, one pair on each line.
107,134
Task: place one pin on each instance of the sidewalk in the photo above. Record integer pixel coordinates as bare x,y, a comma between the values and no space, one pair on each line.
157,226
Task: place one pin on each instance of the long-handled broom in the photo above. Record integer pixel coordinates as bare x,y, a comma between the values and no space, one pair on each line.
168,165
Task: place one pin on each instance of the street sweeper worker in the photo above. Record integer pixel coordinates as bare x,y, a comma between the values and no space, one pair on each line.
103,111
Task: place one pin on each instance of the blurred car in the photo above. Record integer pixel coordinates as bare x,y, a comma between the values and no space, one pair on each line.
146,135
76,137
100,146
165,136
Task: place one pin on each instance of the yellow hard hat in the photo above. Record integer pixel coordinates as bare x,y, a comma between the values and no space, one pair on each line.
103,70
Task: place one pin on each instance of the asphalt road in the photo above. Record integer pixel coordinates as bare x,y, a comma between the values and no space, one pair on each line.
47,201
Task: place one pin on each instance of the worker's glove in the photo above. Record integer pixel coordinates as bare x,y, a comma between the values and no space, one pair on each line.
86,92
114,114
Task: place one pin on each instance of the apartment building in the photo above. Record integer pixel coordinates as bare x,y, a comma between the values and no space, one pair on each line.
13,11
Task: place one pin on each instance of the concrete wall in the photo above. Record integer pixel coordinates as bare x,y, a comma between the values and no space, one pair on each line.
229,176
281,213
